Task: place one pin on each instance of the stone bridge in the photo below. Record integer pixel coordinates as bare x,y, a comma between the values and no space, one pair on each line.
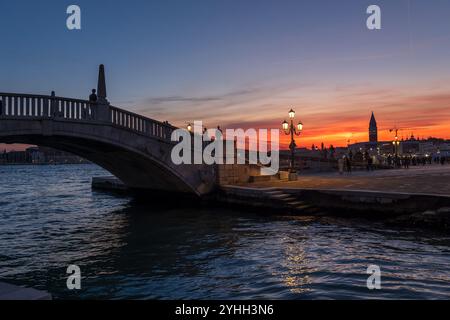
135,149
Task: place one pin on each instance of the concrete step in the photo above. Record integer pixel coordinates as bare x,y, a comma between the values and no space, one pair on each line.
281,196
304,207
296,203
274,192
292,202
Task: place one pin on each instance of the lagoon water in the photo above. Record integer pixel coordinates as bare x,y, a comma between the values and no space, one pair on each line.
50,219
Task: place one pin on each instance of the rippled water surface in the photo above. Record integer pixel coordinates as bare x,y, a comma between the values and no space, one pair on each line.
50,218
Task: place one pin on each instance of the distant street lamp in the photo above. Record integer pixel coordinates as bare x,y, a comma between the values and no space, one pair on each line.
293,131
396,144
189,127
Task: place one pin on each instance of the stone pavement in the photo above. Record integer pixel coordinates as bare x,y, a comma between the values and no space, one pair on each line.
432,179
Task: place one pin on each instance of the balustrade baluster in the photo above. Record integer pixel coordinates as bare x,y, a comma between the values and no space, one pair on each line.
16,106
33,107
47,108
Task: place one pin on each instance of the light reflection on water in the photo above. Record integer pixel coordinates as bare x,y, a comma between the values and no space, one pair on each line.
50,218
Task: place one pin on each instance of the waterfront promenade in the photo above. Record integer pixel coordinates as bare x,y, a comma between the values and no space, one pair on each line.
433,179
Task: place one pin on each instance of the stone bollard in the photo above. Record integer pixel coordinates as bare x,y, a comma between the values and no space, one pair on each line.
293,176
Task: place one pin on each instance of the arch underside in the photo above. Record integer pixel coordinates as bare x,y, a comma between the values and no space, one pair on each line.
135,170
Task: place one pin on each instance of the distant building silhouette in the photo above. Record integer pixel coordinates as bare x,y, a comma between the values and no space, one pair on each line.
373,129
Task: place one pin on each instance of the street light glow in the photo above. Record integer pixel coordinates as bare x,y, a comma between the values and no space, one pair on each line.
292,114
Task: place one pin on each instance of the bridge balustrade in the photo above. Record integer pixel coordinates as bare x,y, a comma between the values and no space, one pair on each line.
143,125
38,106
19,106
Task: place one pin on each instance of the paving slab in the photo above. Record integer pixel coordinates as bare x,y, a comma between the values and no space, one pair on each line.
431,180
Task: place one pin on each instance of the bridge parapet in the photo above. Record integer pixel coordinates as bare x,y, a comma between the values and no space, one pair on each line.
23,106
14,105
140,124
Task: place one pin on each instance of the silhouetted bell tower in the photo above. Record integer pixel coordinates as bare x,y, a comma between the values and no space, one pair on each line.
373,129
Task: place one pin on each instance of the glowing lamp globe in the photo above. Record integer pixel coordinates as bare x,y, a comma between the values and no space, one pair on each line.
292,114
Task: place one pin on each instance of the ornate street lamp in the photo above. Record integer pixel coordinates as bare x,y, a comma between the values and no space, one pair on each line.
293,131
396,144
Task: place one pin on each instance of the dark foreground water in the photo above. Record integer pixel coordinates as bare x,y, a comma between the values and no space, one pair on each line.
50,218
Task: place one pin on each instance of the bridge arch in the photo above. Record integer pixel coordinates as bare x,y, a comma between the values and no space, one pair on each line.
134,148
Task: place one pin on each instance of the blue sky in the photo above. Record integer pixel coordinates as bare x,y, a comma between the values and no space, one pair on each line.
235,61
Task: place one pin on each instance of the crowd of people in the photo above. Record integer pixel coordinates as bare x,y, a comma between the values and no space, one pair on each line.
347,162
407,160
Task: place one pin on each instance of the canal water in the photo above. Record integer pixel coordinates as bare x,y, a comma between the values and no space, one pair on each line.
50,219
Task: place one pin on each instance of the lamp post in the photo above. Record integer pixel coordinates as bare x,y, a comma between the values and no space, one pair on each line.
396,144
290,129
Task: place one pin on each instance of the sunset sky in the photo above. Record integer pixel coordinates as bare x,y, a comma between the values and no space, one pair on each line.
243,63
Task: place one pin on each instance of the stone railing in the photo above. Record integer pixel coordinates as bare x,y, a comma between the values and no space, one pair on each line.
19,106
141,124
39,106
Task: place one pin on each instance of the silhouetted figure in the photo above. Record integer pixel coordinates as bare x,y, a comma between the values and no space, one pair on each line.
370,163
389,160
366,158
348,164
93,97
341,165
397,162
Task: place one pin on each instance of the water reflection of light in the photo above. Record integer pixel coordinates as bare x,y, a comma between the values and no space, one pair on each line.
295,267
